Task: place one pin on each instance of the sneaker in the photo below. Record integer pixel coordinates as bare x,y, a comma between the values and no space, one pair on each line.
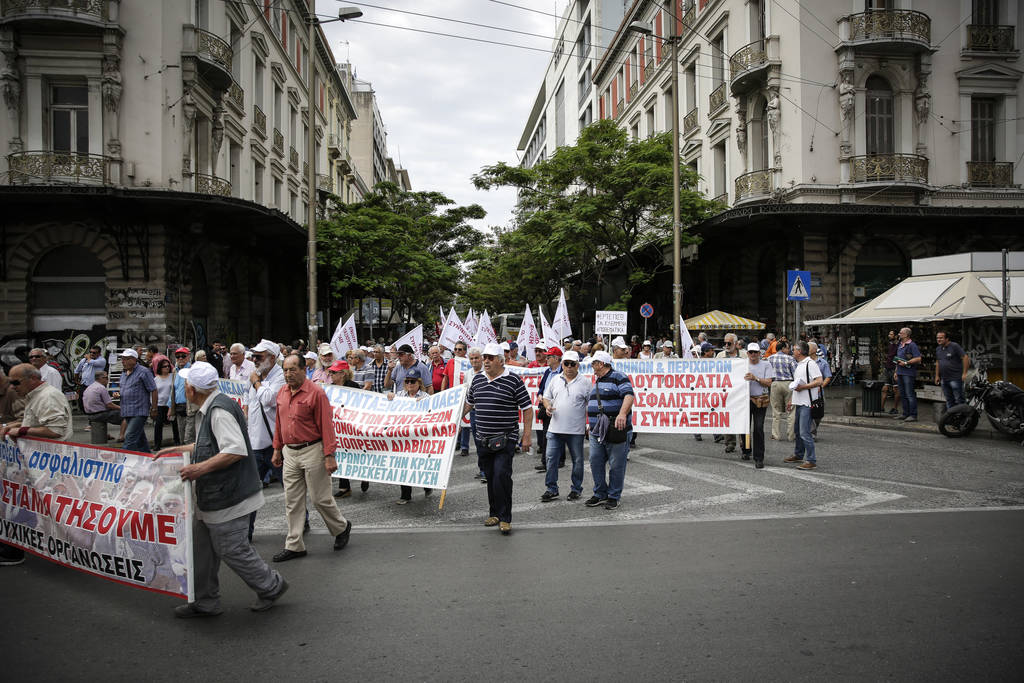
910,419
894,412
491,521
263,604
464,452
594,501
573,495
793,458
611,504
806,466
11,560
506,528
697,437
548,496
483,479
189,610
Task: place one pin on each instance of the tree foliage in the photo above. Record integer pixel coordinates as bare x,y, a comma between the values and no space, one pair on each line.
406,246
607,199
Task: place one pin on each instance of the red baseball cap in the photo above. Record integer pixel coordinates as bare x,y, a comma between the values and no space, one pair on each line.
338,365
554,351
182,350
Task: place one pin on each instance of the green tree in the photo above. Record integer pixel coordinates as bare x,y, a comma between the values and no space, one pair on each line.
406,246
604,200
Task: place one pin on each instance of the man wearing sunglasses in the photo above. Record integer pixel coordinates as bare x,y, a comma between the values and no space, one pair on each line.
38,358
406,361
565,400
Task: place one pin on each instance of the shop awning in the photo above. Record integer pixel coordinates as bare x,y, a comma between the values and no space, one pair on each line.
720,320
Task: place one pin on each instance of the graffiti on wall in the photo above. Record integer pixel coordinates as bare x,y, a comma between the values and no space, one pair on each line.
135,303
983,341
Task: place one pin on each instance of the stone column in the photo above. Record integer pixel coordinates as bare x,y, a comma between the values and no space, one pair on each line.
10,84
923,104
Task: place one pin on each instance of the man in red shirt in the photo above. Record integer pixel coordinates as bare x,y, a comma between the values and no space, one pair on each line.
304,443
539,356
437,368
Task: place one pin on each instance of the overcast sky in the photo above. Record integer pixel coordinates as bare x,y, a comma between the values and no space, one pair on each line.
450,106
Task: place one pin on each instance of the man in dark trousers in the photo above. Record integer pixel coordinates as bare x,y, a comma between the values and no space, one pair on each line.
227,489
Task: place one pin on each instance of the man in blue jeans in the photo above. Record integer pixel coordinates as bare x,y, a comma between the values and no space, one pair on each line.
612,396
565,400
138,400
806,378
908,360
950,368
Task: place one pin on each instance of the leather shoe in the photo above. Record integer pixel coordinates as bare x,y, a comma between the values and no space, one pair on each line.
491,521
506,528
286,555
343,493
341,540
793,458
364,486
189,610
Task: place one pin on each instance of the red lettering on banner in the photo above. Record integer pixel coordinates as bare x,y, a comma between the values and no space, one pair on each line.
142,527
89,523
41,504
78,508
165,529
107,519
62,502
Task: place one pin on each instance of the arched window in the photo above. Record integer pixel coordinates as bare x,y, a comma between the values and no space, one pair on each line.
68,290
757,139
878,117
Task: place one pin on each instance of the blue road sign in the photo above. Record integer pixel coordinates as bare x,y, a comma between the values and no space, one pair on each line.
798,285
647,310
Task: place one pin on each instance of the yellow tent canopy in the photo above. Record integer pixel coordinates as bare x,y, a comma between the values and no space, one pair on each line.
720,320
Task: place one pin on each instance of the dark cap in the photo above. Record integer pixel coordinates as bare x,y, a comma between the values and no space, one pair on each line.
705,347
405,348
414,373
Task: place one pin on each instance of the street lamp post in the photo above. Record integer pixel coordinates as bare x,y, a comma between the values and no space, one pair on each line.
677,268
343,14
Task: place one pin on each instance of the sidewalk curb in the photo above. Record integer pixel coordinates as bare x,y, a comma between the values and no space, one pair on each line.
892,424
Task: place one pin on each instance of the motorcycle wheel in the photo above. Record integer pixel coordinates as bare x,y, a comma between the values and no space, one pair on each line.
958,421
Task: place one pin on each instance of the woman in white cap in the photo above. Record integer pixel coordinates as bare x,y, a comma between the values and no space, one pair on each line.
645,352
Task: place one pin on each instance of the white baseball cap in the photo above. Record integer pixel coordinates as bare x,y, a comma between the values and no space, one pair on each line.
603,357
267,346
570,355
201,375
754,346
492,349
325,349
668,345
504,346
619,342
130,353
310,355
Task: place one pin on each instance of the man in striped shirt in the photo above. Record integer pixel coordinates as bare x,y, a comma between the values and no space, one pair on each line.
496,397
612,396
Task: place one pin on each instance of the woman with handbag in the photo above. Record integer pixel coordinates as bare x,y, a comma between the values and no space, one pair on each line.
759,377
805,402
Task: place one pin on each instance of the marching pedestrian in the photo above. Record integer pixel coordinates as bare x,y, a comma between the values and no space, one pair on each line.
565,401
609,406
807,377
183,409
310,359
476,364
513,356
227,489
379,367
305,445
667,350
47,416
399,369
706,351
908,360
12,406
139,400
265,383
164,380
620,350
40,359
497,397
362,373
436,366
731,349
554,366
783,365
951,364
153,358
240,368
645,352
826,379
759,379
342,376
217,357
325,359
412,387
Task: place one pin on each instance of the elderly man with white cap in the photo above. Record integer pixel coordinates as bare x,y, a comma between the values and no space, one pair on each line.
565,399
667,351
620,349
264,384
610,421
138,400
227,488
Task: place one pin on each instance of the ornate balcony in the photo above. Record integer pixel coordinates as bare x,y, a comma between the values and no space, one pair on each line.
889,31
891,168
278,143
259,122
984,38
333,145
634,87
649,68
81,12
211,184
293,158
716,101
212,55
690,121
324,183
236,98
990,173
754,185
43,168
620,106
722,199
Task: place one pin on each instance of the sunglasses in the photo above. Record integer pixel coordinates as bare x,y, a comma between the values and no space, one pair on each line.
569,363
412,381
15,382
36,356
181,355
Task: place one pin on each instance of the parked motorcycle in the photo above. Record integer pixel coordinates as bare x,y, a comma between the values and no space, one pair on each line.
1001,402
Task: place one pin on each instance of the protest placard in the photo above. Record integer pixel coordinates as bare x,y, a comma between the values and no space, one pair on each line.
121,515
402,441
610,322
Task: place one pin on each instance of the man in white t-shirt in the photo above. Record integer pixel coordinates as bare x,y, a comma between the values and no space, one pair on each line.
806,378
565,400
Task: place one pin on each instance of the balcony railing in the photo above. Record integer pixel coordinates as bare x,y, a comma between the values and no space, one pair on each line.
259,122
324,183
990,173
891,25
749,56
984,38
278,143
293,158
90,9
716,100
909,168
633,88
690,121
722,199
211,184
585,92
620,106
236,98
28,168
214,48
649,68
755,184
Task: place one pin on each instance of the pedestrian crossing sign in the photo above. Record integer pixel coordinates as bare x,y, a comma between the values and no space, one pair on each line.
798,285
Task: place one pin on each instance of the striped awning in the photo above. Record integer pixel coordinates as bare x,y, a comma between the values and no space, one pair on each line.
720,320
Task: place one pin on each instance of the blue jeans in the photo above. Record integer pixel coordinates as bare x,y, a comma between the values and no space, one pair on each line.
135,434
464,435
953,389
908,395
804,444
612,456
555,446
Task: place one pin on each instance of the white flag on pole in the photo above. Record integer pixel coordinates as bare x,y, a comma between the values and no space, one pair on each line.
413,338
686,340
548,332
560,324
453,331
471,322
528,335
345,337
484,331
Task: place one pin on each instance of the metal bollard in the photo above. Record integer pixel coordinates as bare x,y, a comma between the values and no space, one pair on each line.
849,406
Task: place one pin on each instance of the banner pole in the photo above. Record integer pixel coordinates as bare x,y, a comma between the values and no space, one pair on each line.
440,503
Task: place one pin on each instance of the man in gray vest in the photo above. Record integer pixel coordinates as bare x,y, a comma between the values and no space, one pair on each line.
227,488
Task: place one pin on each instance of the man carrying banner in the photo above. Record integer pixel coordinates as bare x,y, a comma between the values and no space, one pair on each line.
304,444
398,371
565,401
227,489
447,383
497,397
47,416
759,378
554,359
609,407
